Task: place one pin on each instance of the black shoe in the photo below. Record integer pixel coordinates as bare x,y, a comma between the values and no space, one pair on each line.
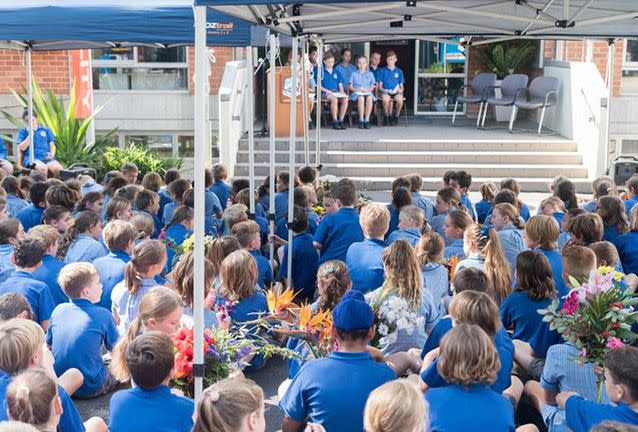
366,125
335,125
386,121
342,125
311,125
361,124
394,121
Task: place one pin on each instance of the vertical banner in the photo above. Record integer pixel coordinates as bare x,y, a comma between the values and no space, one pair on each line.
82,82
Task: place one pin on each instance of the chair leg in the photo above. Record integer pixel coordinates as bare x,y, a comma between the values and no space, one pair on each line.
513,117
484,115
540,123
478,119
456,105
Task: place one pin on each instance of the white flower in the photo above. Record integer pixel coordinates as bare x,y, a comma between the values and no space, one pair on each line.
383,329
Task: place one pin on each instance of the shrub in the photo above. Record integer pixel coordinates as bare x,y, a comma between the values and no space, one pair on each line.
145,159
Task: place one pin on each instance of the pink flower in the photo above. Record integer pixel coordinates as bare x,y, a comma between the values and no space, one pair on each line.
614,343
571,303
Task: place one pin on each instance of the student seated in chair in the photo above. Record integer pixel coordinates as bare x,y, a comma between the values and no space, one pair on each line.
391,82
43,147
362,83
334,92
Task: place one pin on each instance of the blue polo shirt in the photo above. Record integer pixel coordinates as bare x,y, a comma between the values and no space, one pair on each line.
48,273
42,136
157,409
30,216
346,72
212,207
391,79
333,390
6,266
3,150
629,204
512,243
411,235
249,309
482,209
627,245
611,234
157,223
336,232
76,333
110,268
519,312
394,219
434,339
85,249
265,278
455,248
330,80
582,414
457,409
15,205
36,292
375,72
281,206
282,229
165,198
176,234
222,190
465,200
556,263
167,214
305,259
365,264
438,222
543,339
436,281
425,204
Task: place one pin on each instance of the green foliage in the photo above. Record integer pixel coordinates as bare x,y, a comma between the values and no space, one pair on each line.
70,132
506,58
439,68
146,160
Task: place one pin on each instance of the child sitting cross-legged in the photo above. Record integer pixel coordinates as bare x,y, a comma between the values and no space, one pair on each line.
612,212
183,282
150,359
148,202
58,217
410,225
333,390
447,199
81,241
396,406
247,233
78,330
429,253
484,206
31,215
541,234
364,259
32,398
10,233
14,305
621,386
627,245
509,229
49,271
456,222
177,231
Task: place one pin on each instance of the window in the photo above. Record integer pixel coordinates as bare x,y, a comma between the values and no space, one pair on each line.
629,78
140,68
160,144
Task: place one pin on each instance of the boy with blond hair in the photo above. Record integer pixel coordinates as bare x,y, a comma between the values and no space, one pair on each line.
247,234
365,259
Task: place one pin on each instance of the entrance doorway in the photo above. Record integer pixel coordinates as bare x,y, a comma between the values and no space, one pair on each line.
405,50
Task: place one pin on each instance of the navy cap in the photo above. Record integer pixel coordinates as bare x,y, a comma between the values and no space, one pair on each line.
353,313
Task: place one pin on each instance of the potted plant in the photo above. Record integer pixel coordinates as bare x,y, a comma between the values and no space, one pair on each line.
504,59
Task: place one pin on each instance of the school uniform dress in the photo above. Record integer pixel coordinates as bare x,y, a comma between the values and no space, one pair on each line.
85,249
30,216
556,263
482,207
333,390
156,409
582,414
6,266
513,243
265,277
222,190
175,234
391,79
629,204
559,217
458,409
336,232
15,205
305,259
365,264
627,245
425,204
37,294
455,248
48,273
436,282
520,312
42,136
394,219
110,268
77,330
360,80
411,235
562,374
346,72
127,306
563,238
70,420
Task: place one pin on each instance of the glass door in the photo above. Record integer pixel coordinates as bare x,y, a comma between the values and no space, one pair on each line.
441,70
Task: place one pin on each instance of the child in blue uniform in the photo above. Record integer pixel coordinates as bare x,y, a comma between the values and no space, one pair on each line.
554,207
484,206
49,271
176,189
418,200
81,241
600,187
5,165
456,222
509,229
461,181
31,215
58,217
627,245
32,398
447,199
10,233
429,252
333,86
247,233
148,202
119,208
401,197
15,196
281,196
375,63
541,233
180,228
565,237
632,194
302,198
621,382
213,209
43,147
514,186
469,362
612,212
346,68
78,330
534,290
151,359
391,82
339,230
220,187
411,222
396,406
333,390
361,84
586,229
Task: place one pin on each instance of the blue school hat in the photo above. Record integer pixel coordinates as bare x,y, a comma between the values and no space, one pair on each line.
353,313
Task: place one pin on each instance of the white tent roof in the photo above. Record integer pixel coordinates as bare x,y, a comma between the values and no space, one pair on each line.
356,20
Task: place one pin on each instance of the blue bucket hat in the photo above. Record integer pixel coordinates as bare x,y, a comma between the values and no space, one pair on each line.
353,313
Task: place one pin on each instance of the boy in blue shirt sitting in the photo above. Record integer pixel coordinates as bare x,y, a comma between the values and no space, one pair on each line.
337,231
49,271
78,330
621,386
410,223
43,146
147,201
391,82
281,196
365,259
418,200
5,165
302,199
31,215
212,205
27,257
247,234
333,390
220,187
333,90
150,404
461,181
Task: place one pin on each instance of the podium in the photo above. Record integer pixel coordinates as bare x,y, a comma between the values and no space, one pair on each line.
283,104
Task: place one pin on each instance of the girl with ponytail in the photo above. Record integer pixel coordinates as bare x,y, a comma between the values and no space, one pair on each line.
81,241
32,398
429,254
447,200
484,251
509,228
147,262
219,249
160,310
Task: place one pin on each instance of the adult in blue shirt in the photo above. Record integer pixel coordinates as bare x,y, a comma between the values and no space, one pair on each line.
5,165
333,86
391,82
361,85
333,390
346,68
43,147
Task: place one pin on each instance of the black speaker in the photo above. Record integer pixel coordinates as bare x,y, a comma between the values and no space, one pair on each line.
623,168
76,170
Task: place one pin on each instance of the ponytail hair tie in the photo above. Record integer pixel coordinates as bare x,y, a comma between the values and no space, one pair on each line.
23,392
485,231
213,395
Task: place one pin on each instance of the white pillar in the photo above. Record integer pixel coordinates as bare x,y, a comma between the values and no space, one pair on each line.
291,153
30,104
319,108
304,99
250,100
271,140
611,53
201,123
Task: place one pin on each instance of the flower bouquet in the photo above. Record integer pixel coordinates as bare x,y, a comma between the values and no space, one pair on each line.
318,210
595,317
450,265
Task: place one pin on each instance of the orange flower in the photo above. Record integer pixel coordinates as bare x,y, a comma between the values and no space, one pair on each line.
279,302
452,263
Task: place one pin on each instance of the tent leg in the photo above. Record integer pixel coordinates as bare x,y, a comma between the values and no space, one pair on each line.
478,119
513,117
291,155
30,103
540,123
484,115
201,122
318,109
271,139
304,100
456,105
250,100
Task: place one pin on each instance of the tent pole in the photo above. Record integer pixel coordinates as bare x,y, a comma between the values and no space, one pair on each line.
304,99
611,55
30,104
291,154
318,109
250,100
271,139
201,99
